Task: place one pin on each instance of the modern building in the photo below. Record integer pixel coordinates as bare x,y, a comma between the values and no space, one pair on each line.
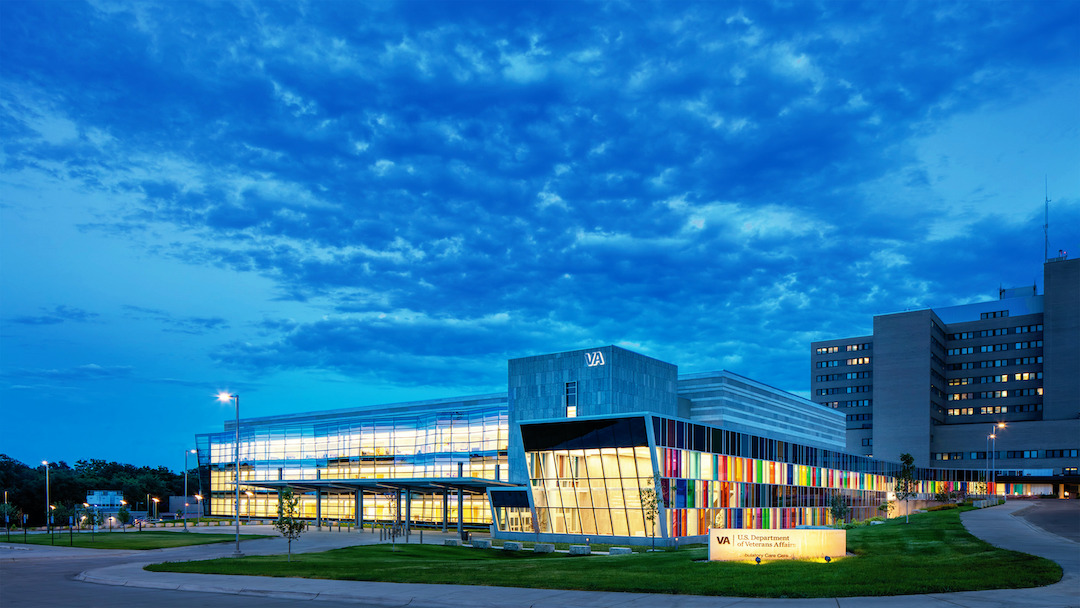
575,448
992,385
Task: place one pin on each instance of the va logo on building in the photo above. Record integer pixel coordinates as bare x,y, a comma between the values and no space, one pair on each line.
594,358
723,540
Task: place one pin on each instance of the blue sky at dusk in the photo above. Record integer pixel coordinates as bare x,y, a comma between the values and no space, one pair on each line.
332,204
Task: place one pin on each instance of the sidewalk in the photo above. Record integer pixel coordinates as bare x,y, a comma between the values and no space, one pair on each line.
996,525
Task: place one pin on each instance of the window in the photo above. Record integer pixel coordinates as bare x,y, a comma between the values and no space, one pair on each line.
833,363
1027,360
859,361
1061,453
1029,344
994,409
1030,407
856,347
948,456
868,441
1028,376
1026,392
1022,454
571,399
1069,471
994,315
962,411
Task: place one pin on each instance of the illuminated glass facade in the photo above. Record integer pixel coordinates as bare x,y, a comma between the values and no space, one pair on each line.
587,478
403,446
573,449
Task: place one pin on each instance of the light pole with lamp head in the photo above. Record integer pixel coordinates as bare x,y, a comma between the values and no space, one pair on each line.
225,397
198,516
48,507
186,452
156,501
993,454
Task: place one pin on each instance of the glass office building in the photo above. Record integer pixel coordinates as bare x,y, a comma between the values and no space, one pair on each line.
573,449
383,454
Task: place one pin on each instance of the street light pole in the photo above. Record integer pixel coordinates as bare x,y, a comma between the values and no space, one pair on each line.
224,398
186,452
993,466
48,513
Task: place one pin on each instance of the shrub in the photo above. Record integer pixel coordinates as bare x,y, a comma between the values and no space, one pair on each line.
943,507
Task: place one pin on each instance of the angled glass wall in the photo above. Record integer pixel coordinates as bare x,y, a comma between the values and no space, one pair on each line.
593,476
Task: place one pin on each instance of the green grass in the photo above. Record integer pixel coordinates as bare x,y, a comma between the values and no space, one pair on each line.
146,539
932,554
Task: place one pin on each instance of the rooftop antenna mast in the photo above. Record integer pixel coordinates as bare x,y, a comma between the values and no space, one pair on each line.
1046,224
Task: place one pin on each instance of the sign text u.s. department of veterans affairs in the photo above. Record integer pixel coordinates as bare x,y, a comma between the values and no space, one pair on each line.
727,544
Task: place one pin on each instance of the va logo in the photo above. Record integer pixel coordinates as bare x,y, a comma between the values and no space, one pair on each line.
594,358
723,540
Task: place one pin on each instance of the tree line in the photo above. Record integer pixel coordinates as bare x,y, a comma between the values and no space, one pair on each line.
24,486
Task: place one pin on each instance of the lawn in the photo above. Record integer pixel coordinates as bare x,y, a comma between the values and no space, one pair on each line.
126,540
932,554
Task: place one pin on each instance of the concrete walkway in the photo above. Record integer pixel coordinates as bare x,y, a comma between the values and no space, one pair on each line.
996,525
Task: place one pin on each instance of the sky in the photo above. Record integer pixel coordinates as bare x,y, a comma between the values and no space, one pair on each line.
321,205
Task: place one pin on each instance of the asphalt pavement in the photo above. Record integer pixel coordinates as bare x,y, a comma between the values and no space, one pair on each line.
1042,528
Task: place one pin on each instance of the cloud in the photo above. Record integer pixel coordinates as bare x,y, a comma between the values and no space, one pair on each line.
505,179
58,314
77,374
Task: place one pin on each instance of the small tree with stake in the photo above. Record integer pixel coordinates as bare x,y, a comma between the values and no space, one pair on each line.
288,523
124,517
905,483
650,504
838,508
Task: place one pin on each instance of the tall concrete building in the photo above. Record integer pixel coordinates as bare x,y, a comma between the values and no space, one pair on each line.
940,383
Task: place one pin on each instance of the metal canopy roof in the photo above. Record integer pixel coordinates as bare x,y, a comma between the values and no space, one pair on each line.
470,485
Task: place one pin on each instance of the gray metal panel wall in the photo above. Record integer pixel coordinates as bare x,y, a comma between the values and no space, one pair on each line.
901,365
1061,340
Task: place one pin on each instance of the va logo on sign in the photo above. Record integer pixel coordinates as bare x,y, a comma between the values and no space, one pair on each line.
723,540
594,358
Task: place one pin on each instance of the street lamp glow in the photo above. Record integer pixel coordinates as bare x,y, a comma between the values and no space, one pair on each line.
224,397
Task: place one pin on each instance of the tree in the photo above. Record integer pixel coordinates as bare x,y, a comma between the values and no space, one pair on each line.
10,514
124,517
650,505
288,522
905,483
838,508
886,508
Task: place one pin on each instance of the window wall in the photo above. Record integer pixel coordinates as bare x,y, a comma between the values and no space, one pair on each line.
459,440
594,477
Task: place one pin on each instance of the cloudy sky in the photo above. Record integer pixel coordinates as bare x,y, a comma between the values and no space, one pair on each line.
332,204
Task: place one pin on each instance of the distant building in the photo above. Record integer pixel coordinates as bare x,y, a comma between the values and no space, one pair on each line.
105,501
936,383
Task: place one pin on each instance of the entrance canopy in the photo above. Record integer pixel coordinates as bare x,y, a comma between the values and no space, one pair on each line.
421,485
